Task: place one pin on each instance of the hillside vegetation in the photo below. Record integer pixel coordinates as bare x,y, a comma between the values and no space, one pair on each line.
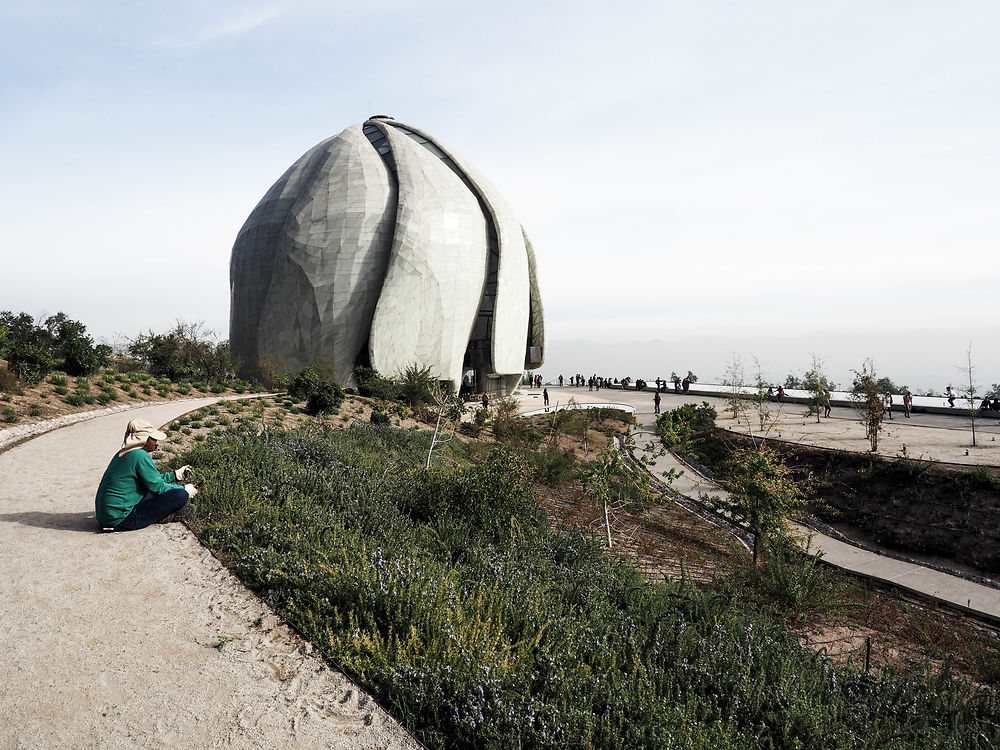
450,597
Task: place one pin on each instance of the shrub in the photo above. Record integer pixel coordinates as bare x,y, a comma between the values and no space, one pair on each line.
470,428
74,399
326,399
482,416
379,417
486,496
218,387
678,426
508,427
10,416
554,466
8,381
104,399
418,386
35,410
304,385
372,383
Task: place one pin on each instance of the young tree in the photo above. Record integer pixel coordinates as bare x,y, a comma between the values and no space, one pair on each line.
762,401
817,385
734,379
449,406
615,487
970,396
867,398
762,493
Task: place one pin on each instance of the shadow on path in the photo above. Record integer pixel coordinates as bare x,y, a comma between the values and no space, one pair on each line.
83,521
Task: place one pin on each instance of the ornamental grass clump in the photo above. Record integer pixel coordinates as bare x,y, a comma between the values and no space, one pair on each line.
446,594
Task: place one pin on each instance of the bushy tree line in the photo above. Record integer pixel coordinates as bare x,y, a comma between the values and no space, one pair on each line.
35,348
186,352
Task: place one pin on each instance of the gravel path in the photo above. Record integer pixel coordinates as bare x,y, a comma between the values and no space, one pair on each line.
144,640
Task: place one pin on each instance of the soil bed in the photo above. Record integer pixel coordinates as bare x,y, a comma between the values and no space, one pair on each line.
945,515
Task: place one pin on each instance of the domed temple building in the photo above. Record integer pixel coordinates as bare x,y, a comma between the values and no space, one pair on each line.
382,247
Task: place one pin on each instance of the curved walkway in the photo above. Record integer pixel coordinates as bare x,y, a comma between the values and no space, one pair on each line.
921,580
144,640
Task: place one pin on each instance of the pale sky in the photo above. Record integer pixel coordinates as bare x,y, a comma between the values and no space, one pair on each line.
728,171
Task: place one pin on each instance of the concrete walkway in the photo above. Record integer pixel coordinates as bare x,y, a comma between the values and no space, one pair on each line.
143,639
924,581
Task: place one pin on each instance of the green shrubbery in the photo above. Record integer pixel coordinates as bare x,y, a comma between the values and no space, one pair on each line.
186,351
445,593
678,426
554,466
372,383
35,349
321,395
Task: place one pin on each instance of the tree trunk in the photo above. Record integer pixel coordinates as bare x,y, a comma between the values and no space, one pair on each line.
607,523
437,427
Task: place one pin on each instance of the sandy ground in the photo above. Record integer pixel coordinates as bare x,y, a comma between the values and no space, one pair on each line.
143,640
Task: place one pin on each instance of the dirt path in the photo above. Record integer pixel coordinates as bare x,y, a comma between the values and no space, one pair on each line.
143,640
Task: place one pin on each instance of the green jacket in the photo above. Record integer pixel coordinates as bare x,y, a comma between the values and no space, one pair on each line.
125,482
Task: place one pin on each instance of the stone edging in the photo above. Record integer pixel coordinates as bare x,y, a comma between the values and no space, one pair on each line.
16,435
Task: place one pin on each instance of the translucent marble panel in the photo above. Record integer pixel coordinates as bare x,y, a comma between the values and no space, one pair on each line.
308,266
436,270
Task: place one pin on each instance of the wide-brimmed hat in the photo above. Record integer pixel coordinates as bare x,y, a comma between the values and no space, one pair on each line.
137,432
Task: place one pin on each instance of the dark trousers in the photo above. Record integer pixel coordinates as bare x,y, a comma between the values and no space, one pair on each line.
152,508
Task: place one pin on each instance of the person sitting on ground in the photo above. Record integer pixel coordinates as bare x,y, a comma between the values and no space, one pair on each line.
133,494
